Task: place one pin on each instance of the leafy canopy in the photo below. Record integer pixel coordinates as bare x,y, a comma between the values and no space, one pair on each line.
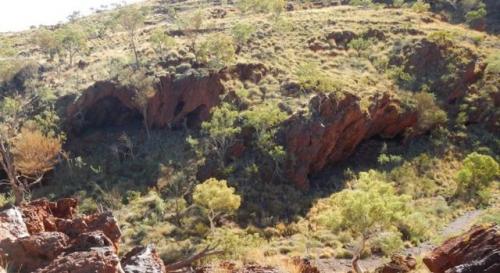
476,175
216,198
372,205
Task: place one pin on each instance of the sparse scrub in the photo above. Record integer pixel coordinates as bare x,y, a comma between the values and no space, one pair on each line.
420,6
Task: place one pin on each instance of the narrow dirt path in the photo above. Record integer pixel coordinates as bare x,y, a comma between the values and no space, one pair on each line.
460,224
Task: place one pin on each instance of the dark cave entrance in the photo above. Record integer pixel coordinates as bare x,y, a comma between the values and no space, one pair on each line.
110,112
196,117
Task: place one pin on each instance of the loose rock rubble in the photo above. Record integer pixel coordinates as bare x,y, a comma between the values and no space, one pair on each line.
48,237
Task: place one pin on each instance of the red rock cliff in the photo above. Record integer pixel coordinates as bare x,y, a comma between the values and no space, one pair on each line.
336,127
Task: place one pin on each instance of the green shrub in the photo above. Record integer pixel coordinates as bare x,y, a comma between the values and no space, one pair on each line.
477,174
216,198
388,242
420,6
401,77
359,44
5,200
161,41
442,37
217,51
429,113
220,132
264,118
372,204
493,63
312,78
242,33
473,16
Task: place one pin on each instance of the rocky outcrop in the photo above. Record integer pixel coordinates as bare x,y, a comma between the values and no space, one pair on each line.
48,237
438,64
336,125
478,250
398,264
177,100
45,236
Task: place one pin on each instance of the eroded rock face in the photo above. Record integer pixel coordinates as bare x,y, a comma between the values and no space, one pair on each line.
187,99
335,128
477,250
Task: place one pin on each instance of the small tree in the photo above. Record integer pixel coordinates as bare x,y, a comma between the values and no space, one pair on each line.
191,25
25,154
143,86
48,42
371,206
221,130
430,115
216,198
161,41
73,40
476,175
242,33
131,19
264,120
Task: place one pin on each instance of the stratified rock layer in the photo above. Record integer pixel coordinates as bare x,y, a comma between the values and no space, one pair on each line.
478,250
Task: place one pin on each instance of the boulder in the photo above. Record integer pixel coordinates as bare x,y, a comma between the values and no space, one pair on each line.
97,260
398,264
335,127
12,225
477,250
143,259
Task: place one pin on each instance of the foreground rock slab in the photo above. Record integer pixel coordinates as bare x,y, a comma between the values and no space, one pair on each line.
475,251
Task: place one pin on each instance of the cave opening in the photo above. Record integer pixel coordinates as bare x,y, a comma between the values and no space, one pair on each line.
110,112
196,117
179,107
